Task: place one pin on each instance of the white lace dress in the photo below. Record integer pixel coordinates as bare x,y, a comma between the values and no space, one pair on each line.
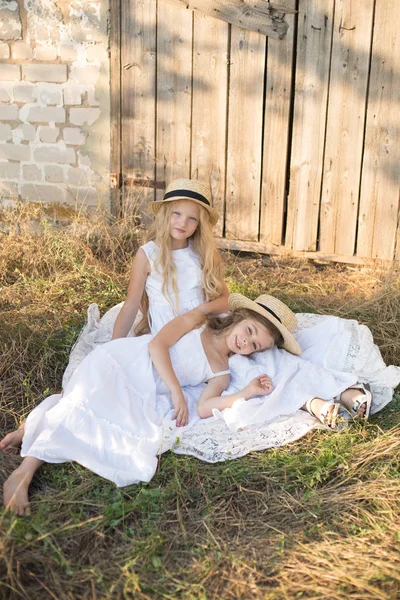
115,416
161,309
341,346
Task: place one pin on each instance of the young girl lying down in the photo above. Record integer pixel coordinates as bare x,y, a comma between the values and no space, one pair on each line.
126,393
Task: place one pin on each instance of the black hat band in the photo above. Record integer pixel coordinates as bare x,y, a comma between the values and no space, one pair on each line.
187,194
270,311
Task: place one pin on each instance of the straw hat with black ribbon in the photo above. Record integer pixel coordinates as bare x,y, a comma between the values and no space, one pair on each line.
275,311
187,189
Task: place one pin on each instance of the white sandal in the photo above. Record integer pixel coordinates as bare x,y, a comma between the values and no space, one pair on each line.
366,399
333,419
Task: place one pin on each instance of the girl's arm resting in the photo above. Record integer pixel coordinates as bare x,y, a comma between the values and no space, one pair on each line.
217,306
211,395
159,352
139,272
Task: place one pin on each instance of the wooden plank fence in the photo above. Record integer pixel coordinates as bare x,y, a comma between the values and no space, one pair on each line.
298,136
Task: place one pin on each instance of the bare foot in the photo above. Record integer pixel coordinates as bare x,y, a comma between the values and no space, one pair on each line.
12,440
15,493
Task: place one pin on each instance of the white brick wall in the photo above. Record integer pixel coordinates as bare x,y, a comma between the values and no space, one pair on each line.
53,111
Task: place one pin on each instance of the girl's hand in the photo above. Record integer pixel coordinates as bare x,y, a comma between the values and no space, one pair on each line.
181,412
259,386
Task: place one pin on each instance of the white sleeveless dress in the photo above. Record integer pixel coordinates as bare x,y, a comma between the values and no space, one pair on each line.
115,416
161,309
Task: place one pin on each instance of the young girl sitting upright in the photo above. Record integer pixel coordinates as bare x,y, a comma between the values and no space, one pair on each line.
177,270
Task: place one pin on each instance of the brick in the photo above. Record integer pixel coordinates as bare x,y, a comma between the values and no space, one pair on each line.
25,132
21,51
83,159
50,73
5,132
91,96
48,134
80,33
49,93
55,154
15,151
80,177
45,52
10,21
43,193
96,53
9,170
43,114
73,135
31,173
87,75
8,112
4,95
73,94
8,188
68,53
4,51
84,196
79,116
53,174
9,72
24,92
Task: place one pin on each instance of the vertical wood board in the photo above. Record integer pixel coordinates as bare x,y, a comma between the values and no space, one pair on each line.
174,92
115,100
309,118
276,133
210,89
138,61
345,125
244,134
380,182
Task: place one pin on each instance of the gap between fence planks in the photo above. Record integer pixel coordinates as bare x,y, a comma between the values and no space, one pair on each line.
260,16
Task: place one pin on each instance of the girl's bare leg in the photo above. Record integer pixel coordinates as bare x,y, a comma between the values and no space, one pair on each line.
15,489
13,439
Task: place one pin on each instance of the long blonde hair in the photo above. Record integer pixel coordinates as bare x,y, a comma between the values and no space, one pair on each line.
202,243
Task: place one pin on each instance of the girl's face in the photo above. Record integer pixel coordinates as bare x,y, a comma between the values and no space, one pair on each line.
185,219
249,336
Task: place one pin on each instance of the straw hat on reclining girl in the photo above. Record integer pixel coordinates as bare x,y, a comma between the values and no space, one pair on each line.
188,189
275,311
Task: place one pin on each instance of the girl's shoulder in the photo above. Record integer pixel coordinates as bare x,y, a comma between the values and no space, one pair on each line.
150,249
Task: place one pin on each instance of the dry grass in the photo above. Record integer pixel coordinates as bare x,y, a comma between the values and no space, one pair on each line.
317,519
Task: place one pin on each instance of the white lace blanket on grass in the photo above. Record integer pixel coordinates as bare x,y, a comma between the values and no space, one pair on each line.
339,345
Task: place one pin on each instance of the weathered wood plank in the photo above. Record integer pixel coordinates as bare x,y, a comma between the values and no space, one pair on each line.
271,249
138,52
115,100
276,127
314,39
244,134
380,182
174,84
256,15
210,96
345,125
